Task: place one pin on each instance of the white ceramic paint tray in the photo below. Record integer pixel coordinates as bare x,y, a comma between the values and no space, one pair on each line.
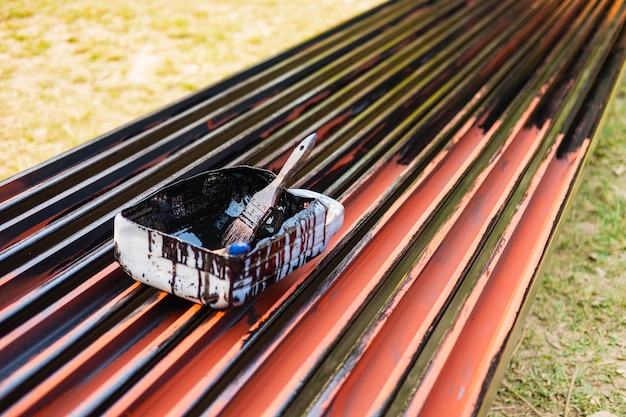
171,239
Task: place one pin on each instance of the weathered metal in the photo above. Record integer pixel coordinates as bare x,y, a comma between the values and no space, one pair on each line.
453,133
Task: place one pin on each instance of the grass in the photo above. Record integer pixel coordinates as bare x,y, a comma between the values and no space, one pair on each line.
72,70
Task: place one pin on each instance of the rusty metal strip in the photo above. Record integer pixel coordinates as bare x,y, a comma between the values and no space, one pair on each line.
444,131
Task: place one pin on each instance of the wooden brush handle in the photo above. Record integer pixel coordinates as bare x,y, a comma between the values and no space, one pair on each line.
296,160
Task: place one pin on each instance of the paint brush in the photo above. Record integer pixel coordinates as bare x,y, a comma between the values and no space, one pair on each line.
245,226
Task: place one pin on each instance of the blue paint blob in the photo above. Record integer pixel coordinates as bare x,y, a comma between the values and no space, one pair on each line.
239,248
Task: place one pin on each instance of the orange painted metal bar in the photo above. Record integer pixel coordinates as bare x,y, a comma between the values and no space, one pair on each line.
467,390
495,303
452,133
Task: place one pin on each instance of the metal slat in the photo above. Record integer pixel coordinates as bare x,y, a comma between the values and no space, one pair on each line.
445,130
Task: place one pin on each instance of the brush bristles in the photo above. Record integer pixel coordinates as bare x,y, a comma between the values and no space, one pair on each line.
237,232
245,226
